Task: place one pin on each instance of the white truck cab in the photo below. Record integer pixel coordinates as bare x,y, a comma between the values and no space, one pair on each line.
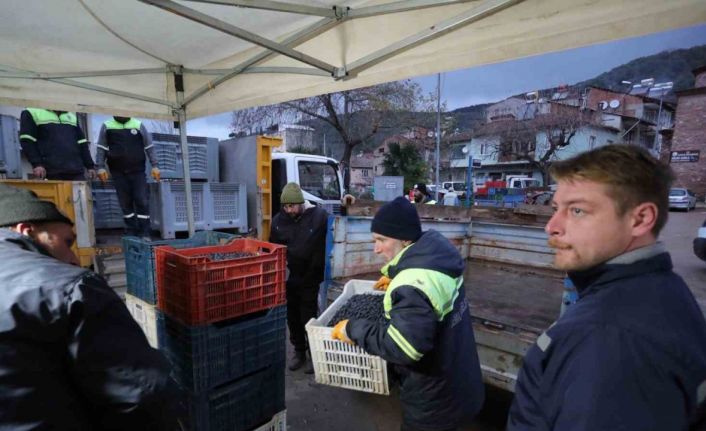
241,160
521,182
318,176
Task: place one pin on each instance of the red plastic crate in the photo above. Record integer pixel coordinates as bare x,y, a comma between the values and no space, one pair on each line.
195,289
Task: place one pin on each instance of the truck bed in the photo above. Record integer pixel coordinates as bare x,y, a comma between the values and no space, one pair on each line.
513,296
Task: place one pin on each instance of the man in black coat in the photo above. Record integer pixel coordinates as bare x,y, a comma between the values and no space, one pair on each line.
302,228
71,356
630,354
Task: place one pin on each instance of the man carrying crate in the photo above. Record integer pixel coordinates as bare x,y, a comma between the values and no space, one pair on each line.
427,334
302,228
122,144
71,356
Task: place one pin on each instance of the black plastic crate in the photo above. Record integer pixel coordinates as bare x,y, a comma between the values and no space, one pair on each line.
206,356
239,405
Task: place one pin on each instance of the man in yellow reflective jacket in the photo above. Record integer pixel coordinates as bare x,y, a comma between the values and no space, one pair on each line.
427,333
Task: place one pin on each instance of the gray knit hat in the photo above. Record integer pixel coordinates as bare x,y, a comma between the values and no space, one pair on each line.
22,206
291,194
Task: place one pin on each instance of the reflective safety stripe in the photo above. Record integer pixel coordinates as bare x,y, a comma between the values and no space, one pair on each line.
149,146
82,141
441,289
45,116
102,147
129,215
131,124
143,216
403,344
544,341
431,202
30,137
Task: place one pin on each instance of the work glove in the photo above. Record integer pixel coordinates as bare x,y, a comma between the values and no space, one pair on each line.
382,284
39,172
156,174
339,332
103,175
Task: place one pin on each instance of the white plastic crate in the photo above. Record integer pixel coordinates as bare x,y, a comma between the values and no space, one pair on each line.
145,315
340,364
278,423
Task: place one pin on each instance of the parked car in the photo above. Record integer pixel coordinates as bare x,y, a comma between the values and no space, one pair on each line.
680,198
700,242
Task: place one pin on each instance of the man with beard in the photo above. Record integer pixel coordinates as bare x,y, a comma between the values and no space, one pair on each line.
630,354
301,226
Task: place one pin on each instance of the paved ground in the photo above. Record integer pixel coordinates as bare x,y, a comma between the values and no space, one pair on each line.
678,236
312,407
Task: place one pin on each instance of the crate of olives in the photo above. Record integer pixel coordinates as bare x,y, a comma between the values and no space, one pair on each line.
340,364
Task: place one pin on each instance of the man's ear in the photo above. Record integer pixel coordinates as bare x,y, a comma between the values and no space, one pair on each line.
643,218
25,229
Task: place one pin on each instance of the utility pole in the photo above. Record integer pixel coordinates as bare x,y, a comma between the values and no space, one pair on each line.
438,133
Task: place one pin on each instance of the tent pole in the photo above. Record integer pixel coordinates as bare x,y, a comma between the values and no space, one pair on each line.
187,173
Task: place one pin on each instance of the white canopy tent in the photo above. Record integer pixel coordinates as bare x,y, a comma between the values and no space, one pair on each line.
165,59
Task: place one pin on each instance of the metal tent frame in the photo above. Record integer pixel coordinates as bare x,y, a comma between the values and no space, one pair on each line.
329,18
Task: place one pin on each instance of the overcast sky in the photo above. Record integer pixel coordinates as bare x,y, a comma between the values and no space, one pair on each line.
495,82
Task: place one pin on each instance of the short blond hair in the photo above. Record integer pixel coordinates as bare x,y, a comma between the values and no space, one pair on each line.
633,175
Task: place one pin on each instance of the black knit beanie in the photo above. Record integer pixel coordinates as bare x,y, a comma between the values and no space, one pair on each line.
397,219
23,206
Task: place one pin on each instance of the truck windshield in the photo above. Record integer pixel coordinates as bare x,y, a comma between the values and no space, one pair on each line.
320,180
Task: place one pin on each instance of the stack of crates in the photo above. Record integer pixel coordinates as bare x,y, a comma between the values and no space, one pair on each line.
221,322
216,205
141,273
107,213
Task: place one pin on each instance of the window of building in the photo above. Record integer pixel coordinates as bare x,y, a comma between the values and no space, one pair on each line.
365,172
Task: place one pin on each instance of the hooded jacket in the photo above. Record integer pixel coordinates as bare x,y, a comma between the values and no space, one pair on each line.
427,335
629,355
71,356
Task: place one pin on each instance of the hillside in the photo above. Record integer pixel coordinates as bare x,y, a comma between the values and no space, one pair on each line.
675,66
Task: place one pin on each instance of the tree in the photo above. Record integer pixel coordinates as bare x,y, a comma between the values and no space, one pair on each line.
537,140
406,161
355,115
